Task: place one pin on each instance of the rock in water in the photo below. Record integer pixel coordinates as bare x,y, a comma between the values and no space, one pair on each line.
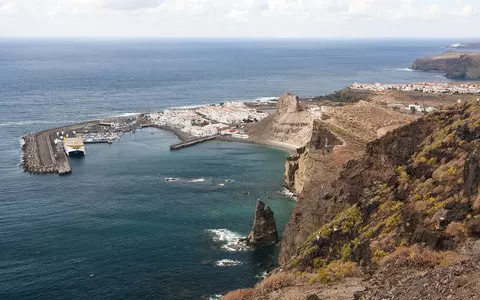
288,104
264,230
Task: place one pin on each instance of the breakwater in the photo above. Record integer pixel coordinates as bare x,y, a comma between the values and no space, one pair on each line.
192,142
43,153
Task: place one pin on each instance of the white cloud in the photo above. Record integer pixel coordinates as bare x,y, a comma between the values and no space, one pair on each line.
131,4
222,17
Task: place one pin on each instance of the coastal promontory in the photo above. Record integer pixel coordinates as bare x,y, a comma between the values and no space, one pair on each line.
456,65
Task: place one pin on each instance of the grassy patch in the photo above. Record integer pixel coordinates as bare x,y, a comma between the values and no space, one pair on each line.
335,271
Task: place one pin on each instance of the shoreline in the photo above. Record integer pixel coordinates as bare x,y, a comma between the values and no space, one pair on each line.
291,149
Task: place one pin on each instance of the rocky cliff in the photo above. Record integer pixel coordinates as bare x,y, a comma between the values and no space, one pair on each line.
341,134
405,214
456,65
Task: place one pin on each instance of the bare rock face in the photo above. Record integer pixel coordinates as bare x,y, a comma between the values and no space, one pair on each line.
288,104
264,230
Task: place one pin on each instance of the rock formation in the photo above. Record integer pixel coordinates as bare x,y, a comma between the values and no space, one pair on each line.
290,124
456,65
287,104
264,231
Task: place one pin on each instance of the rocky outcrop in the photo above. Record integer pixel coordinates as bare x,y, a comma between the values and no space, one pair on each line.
264,231
287,104
456,65
323,138
288,125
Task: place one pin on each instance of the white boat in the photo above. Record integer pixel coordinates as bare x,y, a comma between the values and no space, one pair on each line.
74,146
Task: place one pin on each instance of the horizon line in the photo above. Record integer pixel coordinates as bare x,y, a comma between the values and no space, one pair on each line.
239,38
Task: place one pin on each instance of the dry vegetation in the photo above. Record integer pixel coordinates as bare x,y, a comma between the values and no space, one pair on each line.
420,257
270,284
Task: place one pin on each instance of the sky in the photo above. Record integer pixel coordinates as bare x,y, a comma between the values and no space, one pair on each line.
241,18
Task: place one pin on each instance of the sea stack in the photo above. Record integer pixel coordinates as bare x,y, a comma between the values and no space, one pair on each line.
264,231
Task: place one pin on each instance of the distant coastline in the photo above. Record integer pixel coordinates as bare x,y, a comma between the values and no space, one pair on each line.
455,65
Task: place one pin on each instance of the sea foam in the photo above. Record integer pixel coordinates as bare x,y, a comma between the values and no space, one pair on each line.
228,263
289,194
231,241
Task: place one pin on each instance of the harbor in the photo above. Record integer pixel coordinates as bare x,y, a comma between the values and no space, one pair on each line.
49,151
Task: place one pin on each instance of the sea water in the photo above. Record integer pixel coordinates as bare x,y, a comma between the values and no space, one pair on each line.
116,228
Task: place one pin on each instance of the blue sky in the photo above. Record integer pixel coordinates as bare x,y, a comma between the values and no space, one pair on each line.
241,18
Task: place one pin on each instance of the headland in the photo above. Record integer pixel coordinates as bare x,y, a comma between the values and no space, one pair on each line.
455,65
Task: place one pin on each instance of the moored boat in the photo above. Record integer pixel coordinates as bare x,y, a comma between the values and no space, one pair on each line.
74,146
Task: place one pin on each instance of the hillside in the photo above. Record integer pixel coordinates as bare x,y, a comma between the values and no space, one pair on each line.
401,220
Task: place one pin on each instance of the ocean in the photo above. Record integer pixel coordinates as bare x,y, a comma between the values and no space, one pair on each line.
115,228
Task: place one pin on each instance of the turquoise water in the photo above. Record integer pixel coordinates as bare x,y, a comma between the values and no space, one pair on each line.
116,229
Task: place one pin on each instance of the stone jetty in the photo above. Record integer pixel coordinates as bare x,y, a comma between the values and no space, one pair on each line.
192,142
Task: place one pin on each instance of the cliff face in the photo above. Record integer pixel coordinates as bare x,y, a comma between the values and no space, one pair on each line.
341,134
418,185
456,65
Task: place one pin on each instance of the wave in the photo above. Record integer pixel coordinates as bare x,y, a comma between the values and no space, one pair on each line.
457,45
184,180
288,193
404,69
228,263
215,297
29,122
231,241
131,114
265,99
262,275
197,180
22,143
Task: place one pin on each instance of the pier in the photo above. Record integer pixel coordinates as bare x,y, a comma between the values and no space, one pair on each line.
63,164
192,142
